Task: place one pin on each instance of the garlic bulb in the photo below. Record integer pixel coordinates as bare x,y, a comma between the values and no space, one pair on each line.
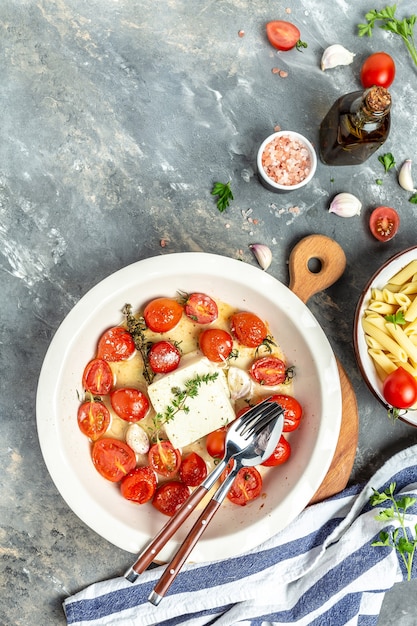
262,254
345,205
336,55
404,176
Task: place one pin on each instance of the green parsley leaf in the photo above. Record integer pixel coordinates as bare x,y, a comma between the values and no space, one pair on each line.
413,199
224,193
387,161
396,318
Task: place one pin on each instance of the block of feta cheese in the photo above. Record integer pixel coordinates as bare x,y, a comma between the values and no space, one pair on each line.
209,410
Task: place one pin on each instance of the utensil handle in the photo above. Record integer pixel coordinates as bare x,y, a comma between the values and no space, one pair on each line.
169,529
189,542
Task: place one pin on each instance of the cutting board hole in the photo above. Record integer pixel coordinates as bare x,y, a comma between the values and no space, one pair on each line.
314,265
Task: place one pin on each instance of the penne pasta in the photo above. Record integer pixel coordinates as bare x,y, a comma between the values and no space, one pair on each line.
387,342
404,274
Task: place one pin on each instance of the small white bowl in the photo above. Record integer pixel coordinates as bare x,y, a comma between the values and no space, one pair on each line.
271,183
365,363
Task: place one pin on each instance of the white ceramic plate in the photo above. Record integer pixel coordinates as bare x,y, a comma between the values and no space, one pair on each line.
288,488
378,280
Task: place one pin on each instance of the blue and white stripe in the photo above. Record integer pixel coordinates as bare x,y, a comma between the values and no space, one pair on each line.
321,570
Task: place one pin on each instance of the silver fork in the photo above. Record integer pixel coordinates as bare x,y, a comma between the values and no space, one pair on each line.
239,438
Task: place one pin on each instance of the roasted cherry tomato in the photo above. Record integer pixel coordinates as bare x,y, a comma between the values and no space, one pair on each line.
139,485
283,35
216,344
93,419
170,496
246,486
193,470
293,411
98,377
200,308
384,223
164,357
248,329
269,371
130,404
116,344
280,455
164,458
400,389
162,314
215,443
112,458
378,69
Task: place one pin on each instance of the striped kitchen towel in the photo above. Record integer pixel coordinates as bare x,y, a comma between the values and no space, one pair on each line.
321,570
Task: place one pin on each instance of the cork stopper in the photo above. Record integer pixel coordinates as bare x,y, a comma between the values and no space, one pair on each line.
378,99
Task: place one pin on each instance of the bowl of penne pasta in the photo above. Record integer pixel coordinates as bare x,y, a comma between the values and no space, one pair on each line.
385,327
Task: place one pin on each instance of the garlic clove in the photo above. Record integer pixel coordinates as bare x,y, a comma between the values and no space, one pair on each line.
262,254
137,439
336,55
404,176
239,382
345,205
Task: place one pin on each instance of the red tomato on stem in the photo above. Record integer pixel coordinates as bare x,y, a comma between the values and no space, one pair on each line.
162,314
139,485
248,329
378,69
164,458
93,419
400,389
284,35
193,470
98,377
201,308
384,223
164,357
170,496
130,404
216,344
116,344
112,458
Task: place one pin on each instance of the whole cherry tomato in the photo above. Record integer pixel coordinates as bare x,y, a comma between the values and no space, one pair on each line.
215,443
400,389
216,344
164,357
292,411
129,403
248,329
162,314
378,69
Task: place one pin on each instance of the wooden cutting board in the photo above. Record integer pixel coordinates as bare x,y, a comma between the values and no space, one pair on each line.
315,263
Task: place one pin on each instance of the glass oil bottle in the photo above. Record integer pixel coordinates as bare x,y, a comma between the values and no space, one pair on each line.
355,127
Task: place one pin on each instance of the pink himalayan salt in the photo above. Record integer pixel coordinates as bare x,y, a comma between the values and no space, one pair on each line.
286,160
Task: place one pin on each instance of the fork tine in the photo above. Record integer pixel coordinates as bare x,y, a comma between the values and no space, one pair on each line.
252,414
262,414
264,420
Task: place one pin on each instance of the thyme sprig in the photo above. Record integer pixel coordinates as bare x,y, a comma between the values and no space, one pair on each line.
137,327
403,541
266,344
180,398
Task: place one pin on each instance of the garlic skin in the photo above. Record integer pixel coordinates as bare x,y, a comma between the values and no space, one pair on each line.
404,177
345,205
262,254
336,55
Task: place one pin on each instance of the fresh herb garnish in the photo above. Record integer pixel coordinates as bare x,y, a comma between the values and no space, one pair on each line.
405,543
396,318
224,193
379,181
404,28
300,45
413,199
267,343
387,161
180,398
136,327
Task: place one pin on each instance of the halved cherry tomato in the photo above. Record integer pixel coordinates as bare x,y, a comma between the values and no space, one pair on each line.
292,411
164,458
139,485
193,470
280,455
201,308
283,35
116,344
269,371
248,329
93,419
164,357
162,314
170,496
378,69
246,486
384,223
112,458
216,344
400,389
98,377
130,404
215,443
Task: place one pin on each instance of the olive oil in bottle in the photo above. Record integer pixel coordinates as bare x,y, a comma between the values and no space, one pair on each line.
355,127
